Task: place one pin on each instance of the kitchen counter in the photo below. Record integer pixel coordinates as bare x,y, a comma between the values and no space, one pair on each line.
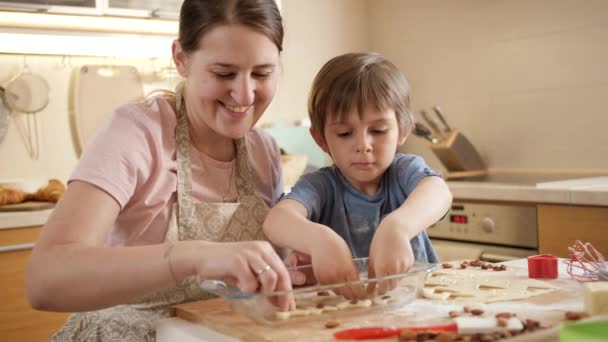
570,300
18,219
582,191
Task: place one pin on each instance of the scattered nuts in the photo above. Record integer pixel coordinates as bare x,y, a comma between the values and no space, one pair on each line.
320,306
445,337
466,309
502,322
463,265
477,312
332,324
505,315
407,335
323,293
454,314
574,315
446,265
354,301
385,297
531,325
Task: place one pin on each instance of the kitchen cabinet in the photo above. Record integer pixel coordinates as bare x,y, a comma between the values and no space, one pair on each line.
18,321
559,226
165,9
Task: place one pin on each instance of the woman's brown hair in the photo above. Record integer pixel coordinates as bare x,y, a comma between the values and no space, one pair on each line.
199,16
359,79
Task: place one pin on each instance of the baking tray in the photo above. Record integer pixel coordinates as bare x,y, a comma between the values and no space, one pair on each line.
259,307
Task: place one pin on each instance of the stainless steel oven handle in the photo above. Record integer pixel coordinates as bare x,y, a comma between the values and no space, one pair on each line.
497,257
17,247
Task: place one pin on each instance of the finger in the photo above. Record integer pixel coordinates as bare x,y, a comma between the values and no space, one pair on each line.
266,275
297,277
291,260
283,280
247,281
303,259
371,273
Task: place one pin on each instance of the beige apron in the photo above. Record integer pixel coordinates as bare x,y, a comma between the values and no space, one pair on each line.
194,221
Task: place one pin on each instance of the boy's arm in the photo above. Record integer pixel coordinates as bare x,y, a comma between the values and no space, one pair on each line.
426,204
287,225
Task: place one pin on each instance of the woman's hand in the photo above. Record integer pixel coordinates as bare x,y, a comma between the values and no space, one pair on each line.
332,263
390,253
251,265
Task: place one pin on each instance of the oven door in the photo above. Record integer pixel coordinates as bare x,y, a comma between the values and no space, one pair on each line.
448,250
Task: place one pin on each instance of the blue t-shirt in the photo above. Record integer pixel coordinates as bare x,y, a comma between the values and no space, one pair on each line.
354,215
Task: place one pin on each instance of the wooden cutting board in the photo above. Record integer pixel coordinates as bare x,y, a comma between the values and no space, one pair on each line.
27,206
217,315
96,90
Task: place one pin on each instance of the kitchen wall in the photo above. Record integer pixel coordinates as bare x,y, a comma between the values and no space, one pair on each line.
315,31
526,81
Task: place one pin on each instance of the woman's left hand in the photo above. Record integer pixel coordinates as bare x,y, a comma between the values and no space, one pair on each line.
390,253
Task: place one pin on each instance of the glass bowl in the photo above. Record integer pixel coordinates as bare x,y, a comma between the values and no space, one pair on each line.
322,300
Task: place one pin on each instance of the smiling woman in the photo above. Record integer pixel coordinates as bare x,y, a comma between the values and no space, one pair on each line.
173,189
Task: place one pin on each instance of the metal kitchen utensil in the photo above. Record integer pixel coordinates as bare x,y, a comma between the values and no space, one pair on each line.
423,131
25,96
258,307
4,121
439,114
433,125
585,262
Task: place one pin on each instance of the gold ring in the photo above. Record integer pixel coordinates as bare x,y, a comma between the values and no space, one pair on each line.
262,270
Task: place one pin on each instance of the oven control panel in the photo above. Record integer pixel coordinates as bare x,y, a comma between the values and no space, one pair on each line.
503,224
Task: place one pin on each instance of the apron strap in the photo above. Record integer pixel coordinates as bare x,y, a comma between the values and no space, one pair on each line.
185,207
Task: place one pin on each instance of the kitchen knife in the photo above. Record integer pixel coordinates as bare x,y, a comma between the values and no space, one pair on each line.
433,125
422,131
439,114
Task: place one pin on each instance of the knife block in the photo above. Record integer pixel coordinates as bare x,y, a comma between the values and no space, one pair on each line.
459,156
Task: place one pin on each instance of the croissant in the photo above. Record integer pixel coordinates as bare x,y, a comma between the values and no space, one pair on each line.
11,195
49,193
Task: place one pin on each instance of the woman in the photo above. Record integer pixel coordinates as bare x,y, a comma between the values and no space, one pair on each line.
169,187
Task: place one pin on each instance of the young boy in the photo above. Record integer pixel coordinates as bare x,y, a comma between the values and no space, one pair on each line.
371,202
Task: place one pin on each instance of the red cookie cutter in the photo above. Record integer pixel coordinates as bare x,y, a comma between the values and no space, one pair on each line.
542,266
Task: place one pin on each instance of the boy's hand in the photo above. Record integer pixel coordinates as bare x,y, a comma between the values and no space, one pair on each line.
390,253
305,277
333,263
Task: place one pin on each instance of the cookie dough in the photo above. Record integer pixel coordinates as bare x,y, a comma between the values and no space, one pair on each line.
471,285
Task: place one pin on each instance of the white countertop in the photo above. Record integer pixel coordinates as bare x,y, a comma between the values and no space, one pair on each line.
583,191
17,219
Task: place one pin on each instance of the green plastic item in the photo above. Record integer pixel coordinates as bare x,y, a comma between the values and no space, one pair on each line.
596,331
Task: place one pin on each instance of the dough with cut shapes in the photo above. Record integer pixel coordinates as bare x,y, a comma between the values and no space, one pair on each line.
471,285
329,301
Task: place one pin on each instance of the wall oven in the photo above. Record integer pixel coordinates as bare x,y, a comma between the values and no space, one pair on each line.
492,232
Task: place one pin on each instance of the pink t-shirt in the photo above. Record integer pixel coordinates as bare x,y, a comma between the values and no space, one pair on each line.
133,158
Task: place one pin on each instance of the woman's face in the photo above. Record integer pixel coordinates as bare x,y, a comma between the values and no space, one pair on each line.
230,79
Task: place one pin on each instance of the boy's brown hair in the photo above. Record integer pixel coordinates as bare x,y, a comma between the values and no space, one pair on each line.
359,79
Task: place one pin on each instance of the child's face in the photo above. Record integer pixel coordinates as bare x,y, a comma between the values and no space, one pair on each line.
362,147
